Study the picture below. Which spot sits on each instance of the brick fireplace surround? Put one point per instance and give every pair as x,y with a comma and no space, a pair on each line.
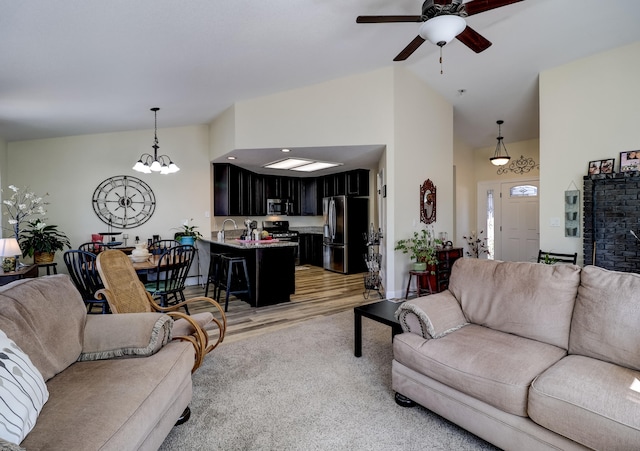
611,212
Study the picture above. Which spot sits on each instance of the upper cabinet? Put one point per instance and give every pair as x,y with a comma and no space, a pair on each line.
239,192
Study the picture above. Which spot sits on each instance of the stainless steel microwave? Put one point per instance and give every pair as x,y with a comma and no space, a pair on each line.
279,207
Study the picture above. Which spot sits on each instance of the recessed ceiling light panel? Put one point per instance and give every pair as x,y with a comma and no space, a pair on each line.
316,166
287,163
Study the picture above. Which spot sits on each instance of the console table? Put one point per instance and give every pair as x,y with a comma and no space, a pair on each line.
26,272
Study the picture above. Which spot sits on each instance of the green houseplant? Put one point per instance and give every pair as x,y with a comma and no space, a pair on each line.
187,234
421,247
41,241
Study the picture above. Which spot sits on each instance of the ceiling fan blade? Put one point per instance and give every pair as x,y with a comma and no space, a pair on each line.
408,50
387,19
474,40
480,6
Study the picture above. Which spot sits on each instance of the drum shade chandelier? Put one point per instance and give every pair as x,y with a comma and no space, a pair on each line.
153,163
498,159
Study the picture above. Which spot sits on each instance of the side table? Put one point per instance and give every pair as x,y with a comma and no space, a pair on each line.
382,312
49,267
26,272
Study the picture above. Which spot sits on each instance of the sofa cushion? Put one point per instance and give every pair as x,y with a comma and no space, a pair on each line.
45,317
606,318
22,391
492,366
580,398
113,404
527,299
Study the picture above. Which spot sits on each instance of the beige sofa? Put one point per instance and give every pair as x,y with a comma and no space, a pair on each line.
527,356
115,382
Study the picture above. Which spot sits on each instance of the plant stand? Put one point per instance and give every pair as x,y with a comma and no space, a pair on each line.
372,279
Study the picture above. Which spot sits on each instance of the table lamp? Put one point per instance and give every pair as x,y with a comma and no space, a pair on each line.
9,251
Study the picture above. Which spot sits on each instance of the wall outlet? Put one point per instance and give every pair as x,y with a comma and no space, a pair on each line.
554,222
207,214
185,222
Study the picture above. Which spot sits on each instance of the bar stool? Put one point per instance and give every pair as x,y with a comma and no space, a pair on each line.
419,275
215,274
237,281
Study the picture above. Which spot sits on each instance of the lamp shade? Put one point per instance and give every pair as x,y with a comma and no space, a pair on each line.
440,30
499,161
9,247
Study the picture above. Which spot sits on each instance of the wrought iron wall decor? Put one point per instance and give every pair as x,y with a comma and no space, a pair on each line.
572,213
520,166
428,202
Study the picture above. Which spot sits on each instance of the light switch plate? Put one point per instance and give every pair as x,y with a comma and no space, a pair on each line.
554,222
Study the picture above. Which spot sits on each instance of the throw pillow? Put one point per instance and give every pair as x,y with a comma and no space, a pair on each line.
23,392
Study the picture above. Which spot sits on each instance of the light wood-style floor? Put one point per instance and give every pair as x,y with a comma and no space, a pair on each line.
318,293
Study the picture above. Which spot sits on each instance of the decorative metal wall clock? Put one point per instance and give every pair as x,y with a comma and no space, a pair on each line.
124,202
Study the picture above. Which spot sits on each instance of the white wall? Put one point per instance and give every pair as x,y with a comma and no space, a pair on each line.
423,149
71,168
390,107
588,111
466,187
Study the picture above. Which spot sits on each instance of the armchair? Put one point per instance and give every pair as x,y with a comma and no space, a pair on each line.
125,293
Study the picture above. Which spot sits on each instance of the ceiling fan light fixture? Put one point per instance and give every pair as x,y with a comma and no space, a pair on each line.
498,159
441,30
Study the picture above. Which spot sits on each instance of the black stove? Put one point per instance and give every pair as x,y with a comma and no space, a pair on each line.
279,230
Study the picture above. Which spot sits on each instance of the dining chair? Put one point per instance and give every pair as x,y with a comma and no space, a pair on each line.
554,257
95,247
160,246
84,274
171,275
125,293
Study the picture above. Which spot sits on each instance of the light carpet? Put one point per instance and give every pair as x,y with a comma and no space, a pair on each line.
301,388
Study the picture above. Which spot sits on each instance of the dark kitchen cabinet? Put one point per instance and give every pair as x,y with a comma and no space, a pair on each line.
228,187
258,202
310,249
237,192
309,197
357,182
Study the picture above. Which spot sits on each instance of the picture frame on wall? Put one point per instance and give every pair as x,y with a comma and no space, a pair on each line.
606,166
630,161
594,167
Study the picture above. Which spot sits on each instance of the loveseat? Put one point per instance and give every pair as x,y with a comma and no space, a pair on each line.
527,356
114,382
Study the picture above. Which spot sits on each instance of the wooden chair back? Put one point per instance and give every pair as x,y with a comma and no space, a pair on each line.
126,292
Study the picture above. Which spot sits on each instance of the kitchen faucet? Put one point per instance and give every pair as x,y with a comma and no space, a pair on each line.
235,226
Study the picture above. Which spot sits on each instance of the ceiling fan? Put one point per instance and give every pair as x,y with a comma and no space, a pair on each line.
443,20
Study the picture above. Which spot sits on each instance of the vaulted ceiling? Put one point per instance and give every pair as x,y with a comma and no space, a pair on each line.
70,67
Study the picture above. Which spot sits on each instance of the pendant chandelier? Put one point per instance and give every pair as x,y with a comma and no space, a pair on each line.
498,159
153,163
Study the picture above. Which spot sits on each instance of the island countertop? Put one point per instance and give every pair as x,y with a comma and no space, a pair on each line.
252,244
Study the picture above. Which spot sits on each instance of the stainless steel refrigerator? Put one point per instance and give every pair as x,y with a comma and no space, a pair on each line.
344,232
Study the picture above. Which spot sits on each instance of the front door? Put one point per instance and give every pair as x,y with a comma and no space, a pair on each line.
520,221
508,216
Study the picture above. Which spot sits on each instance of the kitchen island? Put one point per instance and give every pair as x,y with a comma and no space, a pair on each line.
271,266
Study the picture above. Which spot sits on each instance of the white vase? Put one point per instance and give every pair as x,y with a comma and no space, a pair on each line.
140,253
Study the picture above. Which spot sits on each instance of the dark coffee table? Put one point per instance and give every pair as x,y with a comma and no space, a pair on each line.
381,311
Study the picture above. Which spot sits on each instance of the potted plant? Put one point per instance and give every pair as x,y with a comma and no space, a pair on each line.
41,241
187,234
421,247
